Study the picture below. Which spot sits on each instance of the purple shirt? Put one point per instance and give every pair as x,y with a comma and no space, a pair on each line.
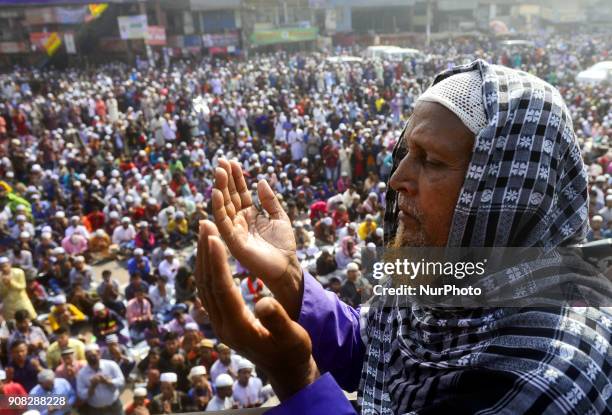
337,348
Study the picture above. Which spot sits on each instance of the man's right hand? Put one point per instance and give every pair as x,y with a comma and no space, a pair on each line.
263,241
277,345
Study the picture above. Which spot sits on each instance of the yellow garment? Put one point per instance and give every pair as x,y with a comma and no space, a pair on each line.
77,315
54,352
181,226
379,103
14,296
364,230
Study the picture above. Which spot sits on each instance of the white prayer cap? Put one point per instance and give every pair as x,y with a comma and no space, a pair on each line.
461,94
60,299
2,375
92,347
98,307
327,221
197,371
140,392
168,377
191,326
169,252
352,267
223,380
138,251
245,364
46,375
31,412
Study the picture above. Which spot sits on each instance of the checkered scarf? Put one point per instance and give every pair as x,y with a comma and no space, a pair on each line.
526,186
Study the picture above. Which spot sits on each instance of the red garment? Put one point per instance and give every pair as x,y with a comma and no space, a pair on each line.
21,124
101,109
137,213
318,210
12,389
255,288
331,156
340,218
96,219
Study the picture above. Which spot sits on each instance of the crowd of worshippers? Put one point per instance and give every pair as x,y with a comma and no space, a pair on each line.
117,164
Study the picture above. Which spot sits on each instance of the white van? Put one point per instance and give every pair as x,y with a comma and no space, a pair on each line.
599,73
392,53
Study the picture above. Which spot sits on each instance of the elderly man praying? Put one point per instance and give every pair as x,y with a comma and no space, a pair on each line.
488,159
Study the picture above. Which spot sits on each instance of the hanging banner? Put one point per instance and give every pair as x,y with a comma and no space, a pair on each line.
133,27
45,41
13,47
69,42
156,36
52,44
70,15
220,40
96,9
286,35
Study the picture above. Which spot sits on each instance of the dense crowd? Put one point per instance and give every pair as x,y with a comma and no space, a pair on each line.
117,164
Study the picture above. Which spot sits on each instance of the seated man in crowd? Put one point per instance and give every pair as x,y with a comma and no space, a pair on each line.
65,314
169,401
200,392
139,314
50,385
105,322
62,342
69,367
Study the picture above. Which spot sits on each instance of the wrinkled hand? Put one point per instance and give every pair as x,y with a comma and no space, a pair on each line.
277,345
263,241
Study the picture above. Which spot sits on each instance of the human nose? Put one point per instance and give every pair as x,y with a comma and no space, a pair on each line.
405,178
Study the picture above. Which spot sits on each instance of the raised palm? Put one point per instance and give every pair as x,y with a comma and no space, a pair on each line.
261,238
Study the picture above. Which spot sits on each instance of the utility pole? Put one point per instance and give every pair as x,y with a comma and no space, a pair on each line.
428,23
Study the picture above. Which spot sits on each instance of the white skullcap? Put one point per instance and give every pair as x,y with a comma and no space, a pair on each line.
327,221
168,377
197,371
2,375
45,375
138,251
223,380
169,252
92,347
191,326
60,299
140,392
461,94
98,307
31,412
352,267
4,260
245,364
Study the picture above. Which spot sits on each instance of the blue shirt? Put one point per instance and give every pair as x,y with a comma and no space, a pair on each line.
61,389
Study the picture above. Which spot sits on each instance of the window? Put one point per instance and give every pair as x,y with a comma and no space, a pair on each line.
218,21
